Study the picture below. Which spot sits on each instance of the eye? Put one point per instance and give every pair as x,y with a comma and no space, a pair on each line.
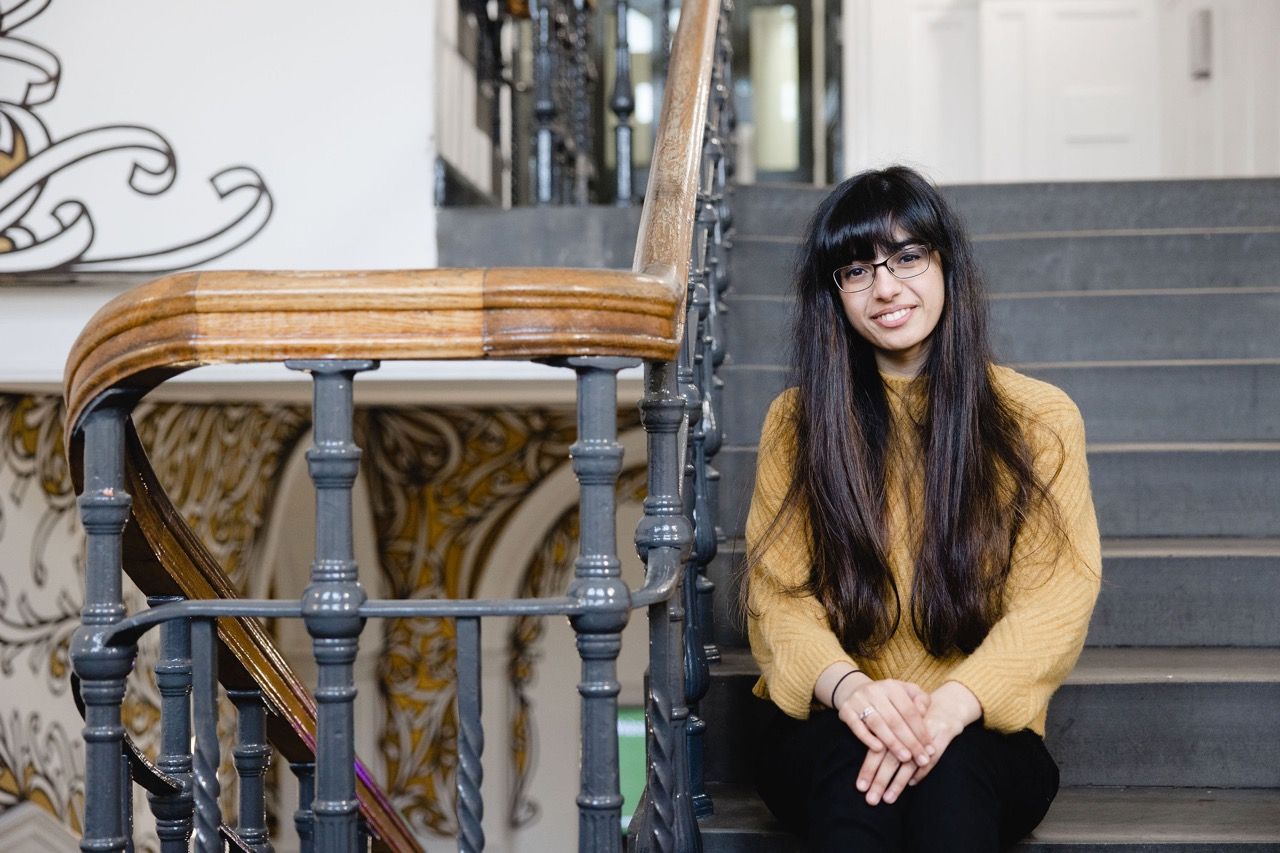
910,255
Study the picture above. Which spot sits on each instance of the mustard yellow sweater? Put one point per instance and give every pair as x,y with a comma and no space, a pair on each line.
1048,601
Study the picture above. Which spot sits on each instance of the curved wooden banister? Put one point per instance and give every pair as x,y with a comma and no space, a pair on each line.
670,201
162,328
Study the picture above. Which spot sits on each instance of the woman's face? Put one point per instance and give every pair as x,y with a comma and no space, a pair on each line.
897,316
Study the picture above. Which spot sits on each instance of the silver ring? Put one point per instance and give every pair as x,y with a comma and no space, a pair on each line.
866,712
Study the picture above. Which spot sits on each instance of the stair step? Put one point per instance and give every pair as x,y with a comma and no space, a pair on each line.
784,209
1222,401
1044,328
1065,261
1125,716
594,237
1171,490
1227,489
1117,820
1172,592
1155,592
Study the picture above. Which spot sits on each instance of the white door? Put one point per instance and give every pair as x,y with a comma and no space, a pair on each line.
1017,90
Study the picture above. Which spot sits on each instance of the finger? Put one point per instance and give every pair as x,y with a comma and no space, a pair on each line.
921,738
922,771
892,715
921,697
861,732
884,775
870,765
900,779
888,733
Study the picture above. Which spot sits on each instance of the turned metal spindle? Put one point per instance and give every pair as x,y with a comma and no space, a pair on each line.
173,811
470,738
664,819
697,587
581,104
126,801
331,603
102,668
303,817
208,754
623,104
252,757
544,102
599,588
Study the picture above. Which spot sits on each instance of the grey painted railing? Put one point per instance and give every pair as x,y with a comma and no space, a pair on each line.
566,84
677,538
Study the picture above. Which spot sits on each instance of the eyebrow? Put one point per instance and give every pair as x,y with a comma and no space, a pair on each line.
897,246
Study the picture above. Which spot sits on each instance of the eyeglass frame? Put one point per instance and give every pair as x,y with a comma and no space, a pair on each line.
871,280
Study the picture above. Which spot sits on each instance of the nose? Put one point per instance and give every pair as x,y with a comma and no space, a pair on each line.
884,284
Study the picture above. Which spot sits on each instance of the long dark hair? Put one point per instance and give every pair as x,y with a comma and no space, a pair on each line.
980,483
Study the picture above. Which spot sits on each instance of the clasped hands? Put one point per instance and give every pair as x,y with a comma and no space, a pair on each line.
905,728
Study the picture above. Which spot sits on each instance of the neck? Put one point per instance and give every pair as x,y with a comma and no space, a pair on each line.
907,363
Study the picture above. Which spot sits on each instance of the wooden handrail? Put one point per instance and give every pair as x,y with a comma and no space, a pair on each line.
670,201
173,324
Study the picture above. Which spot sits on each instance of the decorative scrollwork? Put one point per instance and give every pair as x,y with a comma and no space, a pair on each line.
40,763
42,226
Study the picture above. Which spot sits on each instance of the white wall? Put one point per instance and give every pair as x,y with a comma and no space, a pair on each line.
322,109
1009,90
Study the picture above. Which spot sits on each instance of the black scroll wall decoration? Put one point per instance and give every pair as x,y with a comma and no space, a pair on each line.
44,230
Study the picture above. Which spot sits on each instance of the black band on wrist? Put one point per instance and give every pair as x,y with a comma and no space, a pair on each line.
832,703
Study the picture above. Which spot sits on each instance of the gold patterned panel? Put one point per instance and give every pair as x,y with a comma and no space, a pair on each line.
440,482
220,464
547,573
443,483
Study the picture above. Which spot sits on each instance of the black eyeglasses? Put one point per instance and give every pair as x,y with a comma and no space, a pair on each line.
908,262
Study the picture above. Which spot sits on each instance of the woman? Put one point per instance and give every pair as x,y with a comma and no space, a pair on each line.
923,554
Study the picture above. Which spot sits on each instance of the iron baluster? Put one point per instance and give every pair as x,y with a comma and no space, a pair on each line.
304,818
581,105
173,812
104,509
204,713
252,757
470,737
544,104
606,600
623,104
331,603
664,818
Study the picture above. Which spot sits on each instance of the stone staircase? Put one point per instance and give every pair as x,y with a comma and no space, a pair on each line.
1156,306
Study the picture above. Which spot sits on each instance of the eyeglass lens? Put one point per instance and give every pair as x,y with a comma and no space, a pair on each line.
905,263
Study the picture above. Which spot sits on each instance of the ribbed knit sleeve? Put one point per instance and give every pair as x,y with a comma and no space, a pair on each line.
1052,586
790,635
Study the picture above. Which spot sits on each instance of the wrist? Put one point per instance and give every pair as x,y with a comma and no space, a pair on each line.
959,702
850,682
842,675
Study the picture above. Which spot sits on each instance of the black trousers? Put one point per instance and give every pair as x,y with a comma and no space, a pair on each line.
987,792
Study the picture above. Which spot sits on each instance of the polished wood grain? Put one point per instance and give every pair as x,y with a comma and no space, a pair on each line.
165,327
670,200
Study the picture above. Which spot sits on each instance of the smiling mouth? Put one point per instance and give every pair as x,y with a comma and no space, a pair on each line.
892,318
